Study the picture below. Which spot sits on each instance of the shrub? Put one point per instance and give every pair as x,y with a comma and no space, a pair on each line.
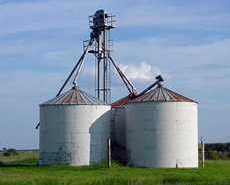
214,155
9,152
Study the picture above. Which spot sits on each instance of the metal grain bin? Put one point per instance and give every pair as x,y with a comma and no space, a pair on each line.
161,130
74,128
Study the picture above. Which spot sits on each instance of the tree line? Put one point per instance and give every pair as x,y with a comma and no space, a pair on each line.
216,151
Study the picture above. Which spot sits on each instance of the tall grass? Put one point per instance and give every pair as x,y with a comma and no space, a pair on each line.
22,158
22,170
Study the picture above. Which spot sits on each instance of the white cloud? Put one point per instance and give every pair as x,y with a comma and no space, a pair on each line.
53,14
186,64
161,15
141,72
37,16
167,55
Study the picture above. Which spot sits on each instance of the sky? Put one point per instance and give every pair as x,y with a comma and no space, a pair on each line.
188,42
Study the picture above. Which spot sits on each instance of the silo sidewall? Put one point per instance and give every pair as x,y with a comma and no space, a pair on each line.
74,134
162,134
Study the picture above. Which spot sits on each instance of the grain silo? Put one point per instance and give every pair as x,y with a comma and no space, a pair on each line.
161,130
156,128
118,128
74,128
118,120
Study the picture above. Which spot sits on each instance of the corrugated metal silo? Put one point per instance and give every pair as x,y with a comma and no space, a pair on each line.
118,129
118,121
74,128
162,130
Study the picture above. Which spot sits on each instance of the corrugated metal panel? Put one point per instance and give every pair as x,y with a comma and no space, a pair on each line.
161,94
118,126
163,134
74,135
74,96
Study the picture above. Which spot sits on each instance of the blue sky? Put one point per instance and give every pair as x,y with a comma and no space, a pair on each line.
188,42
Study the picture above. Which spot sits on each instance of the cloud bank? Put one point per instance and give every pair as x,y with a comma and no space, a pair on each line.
40,41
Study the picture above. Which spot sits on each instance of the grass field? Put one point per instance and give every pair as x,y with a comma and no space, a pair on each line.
22,170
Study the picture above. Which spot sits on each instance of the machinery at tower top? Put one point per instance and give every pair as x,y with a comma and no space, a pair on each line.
101,23
100,45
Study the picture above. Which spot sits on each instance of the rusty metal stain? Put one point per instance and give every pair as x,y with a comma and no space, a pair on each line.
161,94
74,96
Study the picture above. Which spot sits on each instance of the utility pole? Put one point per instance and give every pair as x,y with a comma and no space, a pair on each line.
109,152
202,150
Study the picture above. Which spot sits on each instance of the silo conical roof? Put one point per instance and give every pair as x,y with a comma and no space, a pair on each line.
123,101
161,94
74,96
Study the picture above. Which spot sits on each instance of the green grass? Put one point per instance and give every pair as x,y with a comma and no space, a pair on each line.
22,170
22,158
